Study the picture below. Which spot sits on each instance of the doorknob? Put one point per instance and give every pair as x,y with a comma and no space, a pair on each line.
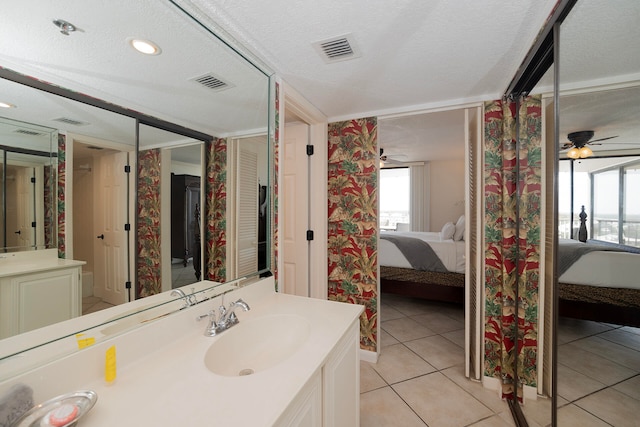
18,232
101,236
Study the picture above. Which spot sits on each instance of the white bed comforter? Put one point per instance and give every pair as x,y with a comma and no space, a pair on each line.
450,252
603,268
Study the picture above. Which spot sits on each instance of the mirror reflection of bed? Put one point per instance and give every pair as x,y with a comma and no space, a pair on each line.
598,276
421,250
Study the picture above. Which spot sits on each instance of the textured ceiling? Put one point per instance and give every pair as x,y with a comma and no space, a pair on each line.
416,55
412,52
413,56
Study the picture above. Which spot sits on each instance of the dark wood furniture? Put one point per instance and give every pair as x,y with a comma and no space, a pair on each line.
185,200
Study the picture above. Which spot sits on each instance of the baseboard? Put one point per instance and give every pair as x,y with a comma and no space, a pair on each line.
368,356
491,383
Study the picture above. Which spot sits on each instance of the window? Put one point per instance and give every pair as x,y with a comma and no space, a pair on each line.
631,211
395,197
606,205
607,188
581,197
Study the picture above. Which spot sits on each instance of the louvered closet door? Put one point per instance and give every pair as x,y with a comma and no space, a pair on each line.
247,209
473,236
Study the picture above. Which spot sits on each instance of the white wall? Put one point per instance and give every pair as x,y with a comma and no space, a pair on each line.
83,236
446,199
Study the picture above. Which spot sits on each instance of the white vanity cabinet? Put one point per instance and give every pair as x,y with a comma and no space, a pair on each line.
331,398
33,299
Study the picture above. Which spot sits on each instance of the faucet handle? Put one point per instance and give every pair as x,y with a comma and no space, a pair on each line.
210,330
223,311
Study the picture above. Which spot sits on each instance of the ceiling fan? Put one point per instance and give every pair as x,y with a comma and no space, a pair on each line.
578,142
393,158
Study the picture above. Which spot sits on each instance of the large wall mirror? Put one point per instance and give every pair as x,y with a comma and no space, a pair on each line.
171,118
598,354
27,185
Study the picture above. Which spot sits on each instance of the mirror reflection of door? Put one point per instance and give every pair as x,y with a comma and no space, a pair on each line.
247,179
24,202
20,209
100,204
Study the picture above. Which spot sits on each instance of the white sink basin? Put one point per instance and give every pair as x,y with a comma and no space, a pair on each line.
256,344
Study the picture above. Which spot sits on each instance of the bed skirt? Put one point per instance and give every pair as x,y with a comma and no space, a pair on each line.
620,306
432,285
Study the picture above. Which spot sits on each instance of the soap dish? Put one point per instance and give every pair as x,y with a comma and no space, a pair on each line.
61,411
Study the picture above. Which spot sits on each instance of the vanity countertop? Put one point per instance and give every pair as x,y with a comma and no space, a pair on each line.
14,263
168,384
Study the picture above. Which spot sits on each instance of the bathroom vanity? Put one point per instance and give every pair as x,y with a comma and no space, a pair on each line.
290,361
38,289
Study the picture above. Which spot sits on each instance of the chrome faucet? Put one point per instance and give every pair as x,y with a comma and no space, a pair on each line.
189,300
227,318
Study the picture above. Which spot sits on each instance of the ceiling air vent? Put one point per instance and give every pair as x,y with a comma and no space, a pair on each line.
28,132
213,82
337,49
69,121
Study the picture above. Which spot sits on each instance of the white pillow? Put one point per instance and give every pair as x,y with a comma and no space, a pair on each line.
459,233
447,231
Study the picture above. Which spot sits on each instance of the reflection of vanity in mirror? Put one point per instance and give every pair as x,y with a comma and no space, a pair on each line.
114,139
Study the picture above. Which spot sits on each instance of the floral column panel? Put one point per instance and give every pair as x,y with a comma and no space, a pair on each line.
274,193
353,220
530,209
216,210
512,258
149,276
49,214
62,179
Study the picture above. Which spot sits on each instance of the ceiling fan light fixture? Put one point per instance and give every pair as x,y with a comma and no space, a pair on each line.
585,152
574,153
145,46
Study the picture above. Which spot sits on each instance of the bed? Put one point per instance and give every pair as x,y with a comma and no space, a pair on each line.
603,284
406,274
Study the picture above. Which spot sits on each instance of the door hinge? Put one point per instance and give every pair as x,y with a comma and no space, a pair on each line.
309,235
309,150
33,179
127,227
127,169
33,224
127,285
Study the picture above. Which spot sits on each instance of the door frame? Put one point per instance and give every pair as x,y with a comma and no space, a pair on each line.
295,103
71,139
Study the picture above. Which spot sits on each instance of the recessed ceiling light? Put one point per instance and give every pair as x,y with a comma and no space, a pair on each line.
145,46
6,105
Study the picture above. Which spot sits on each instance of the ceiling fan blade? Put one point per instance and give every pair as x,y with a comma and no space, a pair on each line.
602,139
566,145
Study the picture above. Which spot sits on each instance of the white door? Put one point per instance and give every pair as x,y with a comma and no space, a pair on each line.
473,248
247,210
295,211
24,232
110,214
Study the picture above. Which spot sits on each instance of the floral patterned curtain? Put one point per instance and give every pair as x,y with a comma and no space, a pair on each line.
512,240
148,253
216,210
61,189
353,220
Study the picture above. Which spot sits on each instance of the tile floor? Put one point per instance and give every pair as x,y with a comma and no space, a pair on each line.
180,276
92,303
419,378
598,374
